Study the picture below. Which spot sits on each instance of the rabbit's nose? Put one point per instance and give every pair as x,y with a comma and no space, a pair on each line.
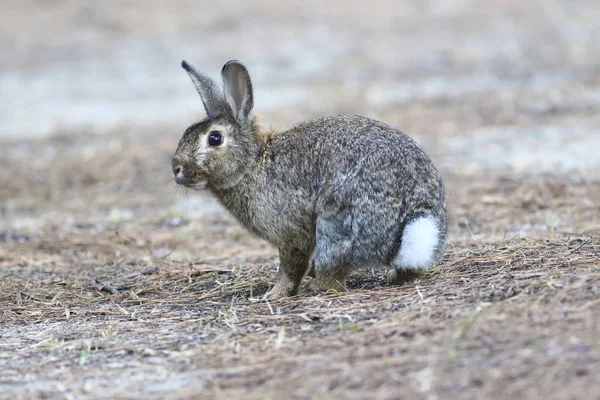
178,171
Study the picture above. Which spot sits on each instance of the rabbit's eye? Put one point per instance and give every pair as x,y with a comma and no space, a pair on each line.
215,139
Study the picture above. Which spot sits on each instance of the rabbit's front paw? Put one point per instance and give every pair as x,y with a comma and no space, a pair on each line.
279,291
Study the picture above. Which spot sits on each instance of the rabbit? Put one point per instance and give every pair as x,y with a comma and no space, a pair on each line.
332,194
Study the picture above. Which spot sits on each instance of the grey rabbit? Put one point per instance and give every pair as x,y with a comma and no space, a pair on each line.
331,194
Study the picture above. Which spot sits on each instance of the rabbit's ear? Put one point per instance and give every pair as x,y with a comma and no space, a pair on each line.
209,91
238,90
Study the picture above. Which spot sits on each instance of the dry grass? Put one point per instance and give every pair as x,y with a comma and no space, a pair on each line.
168,306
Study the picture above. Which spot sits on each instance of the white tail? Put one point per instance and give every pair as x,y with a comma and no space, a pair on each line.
420,240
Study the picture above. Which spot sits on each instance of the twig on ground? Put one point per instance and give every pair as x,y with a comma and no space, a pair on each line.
529,276
147,271
107,287
110,289
588,241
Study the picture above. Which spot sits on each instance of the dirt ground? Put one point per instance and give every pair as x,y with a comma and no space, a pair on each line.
114,283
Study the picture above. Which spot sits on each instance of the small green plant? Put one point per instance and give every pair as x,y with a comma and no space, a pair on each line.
108,333
85,353
280,338
553,223
229,316
464,323
53,345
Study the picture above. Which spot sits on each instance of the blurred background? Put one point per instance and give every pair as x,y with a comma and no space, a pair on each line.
93,100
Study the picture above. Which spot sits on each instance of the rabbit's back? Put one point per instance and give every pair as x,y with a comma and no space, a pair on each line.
354,154
351,167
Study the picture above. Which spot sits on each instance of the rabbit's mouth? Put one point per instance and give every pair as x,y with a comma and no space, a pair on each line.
189,184
198,186
188,176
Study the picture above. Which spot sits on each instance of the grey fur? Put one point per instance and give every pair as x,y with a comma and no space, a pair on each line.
334,193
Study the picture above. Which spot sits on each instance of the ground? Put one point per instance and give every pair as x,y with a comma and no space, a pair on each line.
114,283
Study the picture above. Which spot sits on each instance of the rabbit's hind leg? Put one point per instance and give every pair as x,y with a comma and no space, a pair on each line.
332,259
331,275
